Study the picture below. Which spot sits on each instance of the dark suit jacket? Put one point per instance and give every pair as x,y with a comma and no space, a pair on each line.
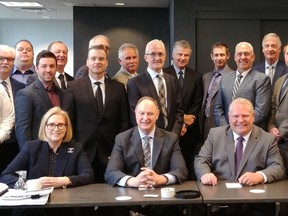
217,155
16,86
142,85
280,70
255,87
96,133
31,104
34,157
127,156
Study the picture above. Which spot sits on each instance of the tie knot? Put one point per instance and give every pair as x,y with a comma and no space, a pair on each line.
146,138
97,83
61,76
240,76
180,72
4,83
240,139
159,76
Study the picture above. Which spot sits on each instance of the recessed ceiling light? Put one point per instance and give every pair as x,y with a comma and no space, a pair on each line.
46,17
120,4
21,4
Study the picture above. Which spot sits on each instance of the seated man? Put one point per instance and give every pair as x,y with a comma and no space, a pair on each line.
131,165
221,156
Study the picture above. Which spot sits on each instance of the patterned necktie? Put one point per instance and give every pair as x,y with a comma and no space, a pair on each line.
161,94
181,79
99,98
5,85
236,86
270,73
147,151
283,88
62,81
238,152
213,87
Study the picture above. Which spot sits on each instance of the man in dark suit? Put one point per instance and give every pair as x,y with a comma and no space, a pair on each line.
8,148
97,120
128,163
272,66
35,100
192,93
220,55
240,152
252,85
164,88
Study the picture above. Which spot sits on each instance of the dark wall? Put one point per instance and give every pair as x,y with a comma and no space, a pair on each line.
120,25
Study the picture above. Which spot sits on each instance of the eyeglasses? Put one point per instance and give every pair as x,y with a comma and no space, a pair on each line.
52,126
9,60
154,54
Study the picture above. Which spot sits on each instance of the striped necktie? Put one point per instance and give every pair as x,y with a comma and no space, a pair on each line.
236,86
5,85
238,152
161,94
147,151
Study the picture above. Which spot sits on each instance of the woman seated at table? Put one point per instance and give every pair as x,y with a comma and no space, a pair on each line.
53,159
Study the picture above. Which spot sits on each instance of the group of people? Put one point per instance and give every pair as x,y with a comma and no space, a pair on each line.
144,129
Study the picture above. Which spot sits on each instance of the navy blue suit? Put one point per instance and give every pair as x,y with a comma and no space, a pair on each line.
34,157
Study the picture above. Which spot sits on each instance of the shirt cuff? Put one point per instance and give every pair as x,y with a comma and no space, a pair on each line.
171,179
122,182
264,176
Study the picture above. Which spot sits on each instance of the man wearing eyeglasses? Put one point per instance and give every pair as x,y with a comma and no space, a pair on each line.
164,88
36,99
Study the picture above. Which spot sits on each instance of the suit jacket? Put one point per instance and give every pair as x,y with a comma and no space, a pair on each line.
255,87
96,133
16,86
122,76
279,110
31,104
207,78
34,157
127,156
142,85
217,155
280,70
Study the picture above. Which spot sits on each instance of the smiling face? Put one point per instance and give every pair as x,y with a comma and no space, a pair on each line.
220,57
244,57
6,63
181,56
46,70
129,60
271,49
155,55
61,53
55,136
146,113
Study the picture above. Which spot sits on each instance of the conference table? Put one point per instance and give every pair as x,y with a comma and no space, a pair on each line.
263,193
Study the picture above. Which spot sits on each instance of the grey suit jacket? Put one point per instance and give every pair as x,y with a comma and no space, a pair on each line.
255,87
217,155
279,111
127,156
122,76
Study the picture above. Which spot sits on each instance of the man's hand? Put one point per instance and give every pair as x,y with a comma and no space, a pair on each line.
276,133
250,178
189,119
209,179
183,131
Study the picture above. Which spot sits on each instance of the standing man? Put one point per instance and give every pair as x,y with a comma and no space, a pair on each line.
23,65
272,66
278,121
192,93
96,40
98,107
220,55
246,83
164,88
240,152
36,99
128,58
9,87
130,156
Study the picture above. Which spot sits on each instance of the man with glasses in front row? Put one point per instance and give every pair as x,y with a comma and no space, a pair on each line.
164,88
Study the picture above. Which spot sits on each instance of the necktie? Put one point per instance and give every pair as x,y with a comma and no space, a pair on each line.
5,85
238,152
161,94
99,98
213,87
181,78
236,86
61,77
283,88
147,151
270,72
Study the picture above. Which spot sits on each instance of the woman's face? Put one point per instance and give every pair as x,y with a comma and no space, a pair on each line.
56,128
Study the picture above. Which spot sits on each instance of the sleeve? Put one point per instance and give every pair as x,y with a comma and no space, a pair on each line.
7,116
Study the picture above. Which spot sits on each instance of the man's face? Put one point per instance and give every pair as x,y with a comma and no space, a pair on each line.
181,57
155,56
219,57
6,63
46,70
24,53
146,116
61,53
97,62
244,57
241,119
129,60
271,50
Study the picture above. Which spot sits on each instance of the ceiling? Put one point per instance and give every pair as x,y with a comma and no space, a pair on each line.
63,9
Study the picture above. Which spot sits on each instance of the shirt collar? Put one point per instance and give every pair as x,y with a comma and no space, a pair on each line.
31,69
246,137
93,80
142,135
153,73
273,65
177,69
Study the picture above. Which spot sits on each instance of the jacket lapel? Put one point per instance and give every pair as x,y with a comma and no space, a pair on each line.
137,145
158,143
230,147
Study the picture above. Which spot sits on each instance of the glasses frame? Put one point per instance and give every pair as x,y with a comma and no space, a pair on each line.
52,126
